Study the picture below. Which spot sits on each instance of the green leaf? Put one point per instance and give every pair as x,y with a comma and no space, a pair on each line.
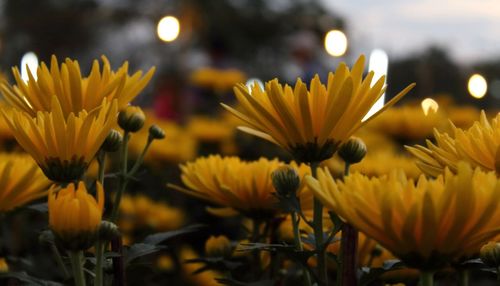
160,237
140,249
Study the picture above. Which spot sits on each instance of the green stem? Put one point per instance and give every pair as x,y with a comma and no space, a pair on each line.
59,260
427,278
123,179
101,159
140,159
498,275
76,258
464,277
99,253
318,233
346,274
298,246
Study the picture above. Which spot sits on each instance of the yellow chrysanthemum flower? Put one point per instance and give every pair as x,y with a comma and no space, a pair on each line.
21,181
62,146
232,183
478,146
74,92
426,224
75,215
312,123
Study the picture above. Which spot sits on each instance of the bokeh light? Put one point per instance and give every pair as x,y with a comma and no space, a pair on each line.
253,81
378,63
477,86
429,104
168,28
29,61
336,43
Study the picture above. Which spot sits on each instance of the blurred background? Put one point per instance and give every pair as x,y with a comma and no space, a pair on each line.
440,48
202,48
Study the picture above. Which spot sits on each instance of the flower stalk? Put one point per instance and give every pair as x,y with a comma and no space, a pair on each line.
99,253
318,233
348,251
123,178
59,260
427,278
298,245
76,258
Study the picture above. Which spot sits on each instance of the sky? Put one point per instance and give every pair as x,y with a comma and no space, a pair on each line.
468,29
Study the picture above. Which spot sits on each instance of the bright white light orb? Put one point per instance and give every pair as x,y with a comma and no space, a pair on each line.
336,43
168,29
378,63
252,82
477,86
29,61
429,104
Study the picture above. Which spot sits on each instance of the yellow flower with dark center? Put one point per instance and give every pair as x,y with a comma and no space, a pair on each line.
312,123
232,183
21,181
477,145
75,215
74,92
62,146
427,223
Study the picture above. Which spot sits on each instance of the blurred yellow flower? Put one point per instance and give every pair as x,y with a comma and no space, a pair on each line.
217,79
21,181
75,215
4,267
477,145
141,211
177,146
407,122
218,246
377,164
311,124
205,278
232,183
74,92
62,146
209,129
426,224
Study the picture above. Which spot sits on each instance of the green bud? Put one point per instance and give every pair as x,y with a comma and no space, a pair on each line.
156,132
108,231
131,118
286,181
490,254
112,142
46,237
353,151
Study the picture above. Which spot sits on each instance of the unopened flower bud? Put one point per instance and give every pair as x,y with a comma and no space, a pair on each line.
218,246
46,237
156,132
108,231
353,151
112,142
131,118
286,181
490,254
